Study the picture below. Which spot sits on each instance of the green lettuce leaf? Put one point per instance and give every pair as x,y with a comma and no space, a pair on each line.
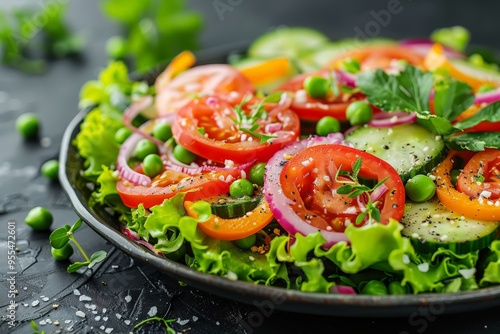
96,142
451,98
492,271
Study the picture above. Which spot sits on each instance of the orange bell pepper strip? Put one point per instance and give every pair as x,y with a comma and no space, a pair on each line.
181,62
458,202
267,71
436,58
234,228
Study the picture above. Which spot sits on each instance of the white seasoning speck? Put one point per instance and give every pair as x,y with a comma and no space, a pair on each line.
217,323
104,310
118,315
76,292
406,259
48,321
182,322
105,318
35,303
251,258
67,321
423,267
45,299
84,298
42,322
127,322
102,327
97,318
467,273
195,318
443,237
80,314
108,330
232,276
128,298
152,311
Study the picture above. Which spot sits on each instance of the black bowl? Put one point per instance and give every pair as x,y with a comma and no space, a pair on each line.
264,297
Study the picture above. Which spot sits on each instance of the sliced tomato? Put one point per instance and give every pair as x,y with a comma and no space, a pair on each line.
200,80
223,140
312,109
481,175
170,182
458,201
383,57
234,228
309,181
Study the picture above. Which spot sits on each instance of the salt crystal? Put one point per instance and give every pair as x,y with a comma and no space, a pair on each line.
195,318
80,314
182,322
152,311
84,298
35,303
108,330
76,292
128,298
118,315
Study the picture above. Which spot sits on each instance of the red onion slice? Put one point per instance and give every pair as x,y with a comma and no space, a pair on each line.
279,203
422,46
388,119
342,290
346,78
488,97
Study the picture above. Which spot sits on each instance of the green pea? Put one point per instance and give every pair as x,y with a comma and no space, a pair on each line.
116,47
257,172
183,155
39,218
28,125
62,254
374,288
317,86
326,125
454,176
50,169
420,188
143,148
395,288
359,112
122,134
152,165
162,131
247,242
486,88
240,188
351,65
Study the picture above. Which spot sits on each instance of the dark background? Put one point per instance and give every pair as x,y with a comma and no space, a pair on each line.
54,97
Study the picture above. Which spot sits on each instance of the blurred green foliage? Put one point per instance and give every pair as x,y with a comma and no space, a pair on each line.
29,36
154,30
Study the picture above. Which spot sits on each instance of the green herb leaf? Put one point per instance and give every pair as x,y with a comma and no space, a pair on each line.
490,113
407,91
451,98
76,225
97,257
59,237
475,141
75,266
344,190
166,322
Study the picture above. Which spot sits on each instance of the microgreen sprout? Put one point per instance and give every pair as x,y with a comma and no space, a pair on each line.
353,188
35,328
166,322
61,236
249,122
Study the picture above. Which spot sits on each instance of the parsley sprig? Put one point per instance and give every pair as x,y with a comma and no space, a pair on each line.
61,236
248,122
352,187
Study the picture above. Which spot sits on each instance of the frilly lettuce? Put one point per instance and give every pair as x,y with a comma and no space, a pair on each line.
96,142
492,271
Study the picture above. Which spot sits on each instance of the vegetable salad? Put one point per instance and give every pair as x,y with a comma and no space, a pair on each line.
307,163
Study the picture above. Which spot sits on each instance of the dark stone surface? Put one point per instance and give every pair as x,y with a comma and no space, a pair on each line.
120,292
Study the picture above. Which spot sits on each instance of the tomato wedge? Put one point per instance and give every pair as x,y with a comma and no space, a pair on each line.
379,57
234,228
169,183
481,176
460,202
309,180
205,79
222,139
313,109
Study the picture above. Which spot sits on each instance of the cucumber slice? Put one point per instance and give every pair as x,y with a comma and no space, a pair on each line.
431,225
230,207
286,41
268,86
410,148
320,57
475,71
